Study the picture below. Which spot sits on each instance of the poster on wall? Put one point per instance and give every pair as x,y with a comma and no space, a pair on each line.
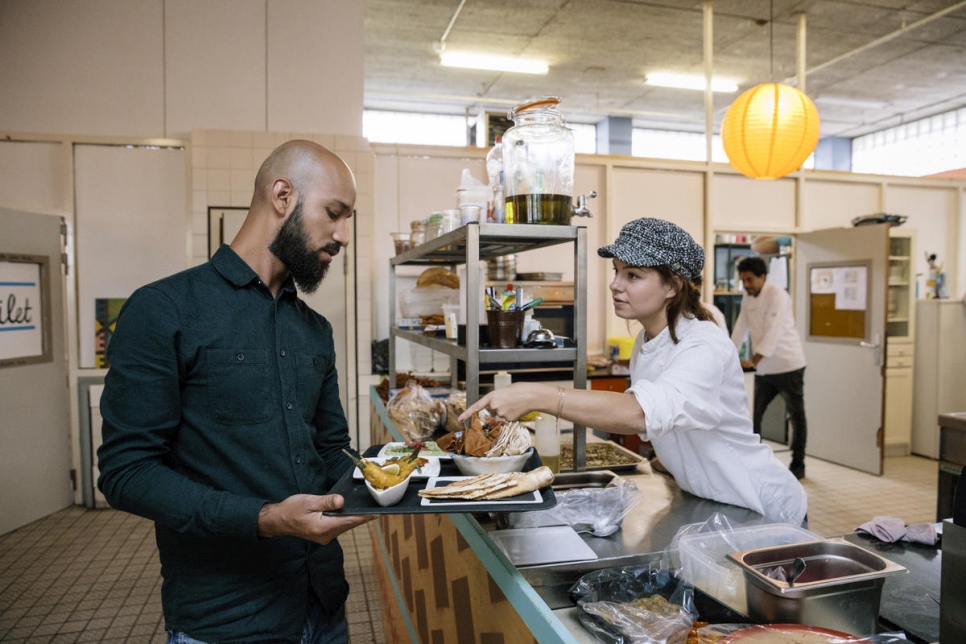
24,293
105,318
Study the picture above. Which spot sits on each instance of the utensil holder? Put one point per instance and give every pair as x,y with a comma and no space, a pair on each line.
506,327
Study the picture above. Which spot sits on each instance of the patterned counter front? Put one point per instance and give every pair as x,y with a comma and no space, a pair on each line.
442,580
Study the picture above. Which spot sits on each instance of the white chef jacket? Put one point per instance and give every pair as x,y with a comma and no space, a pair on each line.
696,414
717,316
768,318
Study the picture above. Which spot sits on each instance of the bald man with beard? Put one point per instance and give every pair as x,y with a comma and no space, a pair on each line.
223,423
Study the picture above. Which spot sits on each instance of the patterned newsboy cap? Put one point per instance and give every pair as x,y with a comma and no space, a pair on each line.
654,242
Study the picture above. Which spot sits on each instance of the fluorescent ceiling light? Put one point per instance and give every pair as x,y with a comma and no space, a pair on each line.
688,81
492,63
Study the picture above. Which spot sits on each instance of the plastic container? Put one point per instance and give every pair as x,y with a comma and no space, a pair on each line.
469,213
538,165
704,560
450,221
401,242
426,301
496,210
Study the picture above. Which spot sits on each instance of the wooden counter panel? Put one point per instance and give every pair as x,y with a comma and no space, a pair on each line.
449,595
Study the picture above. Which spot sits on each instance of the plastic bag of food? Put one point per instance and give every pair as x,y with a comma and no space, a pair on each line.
643,604
455,405
415,412
598,511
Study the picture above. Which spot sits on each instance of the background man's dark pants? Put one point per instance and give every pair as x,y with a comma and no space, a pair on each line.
790,386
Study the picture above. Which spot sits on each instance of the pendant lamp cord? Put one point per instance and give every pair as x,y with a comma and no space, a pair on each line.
771,37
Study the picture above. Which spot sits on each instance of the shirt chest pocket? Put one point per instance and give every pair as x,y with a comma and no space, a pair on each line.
239,386
312,372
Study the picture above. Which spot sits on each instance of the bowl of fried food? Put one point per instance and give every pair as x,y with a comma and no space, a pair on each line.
390,495
387,483
491,446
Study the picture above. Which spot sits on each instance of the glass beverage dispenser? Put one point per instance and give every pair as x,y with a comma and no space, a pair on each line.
538,166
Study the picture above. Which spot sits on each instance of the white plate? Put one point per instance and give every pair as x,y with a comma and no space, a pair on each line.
387,451
430,469
443,481
534,546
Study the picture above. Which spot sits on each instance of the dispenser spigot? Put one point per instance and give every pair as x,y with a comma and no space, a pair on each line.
581,209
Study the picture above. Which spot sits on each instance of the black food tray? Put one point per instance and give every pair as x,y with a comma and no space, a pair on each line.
358,500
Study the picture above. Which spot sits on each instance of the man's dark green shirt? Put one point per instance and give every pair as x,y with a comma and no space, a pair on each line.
219,399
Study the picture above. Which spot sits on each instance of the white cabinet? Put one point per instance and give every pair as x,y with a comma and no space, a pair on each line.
940,370
900,346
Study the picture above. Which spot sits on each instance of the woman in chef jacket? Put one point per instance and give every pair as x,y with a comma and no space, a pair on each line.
687,395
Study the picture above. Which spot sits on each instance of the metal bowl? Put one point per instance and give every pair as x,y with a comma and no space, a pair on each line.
540,339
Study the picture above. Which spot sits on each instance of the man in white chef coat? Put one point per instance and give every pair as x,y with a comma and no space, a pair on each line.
778,358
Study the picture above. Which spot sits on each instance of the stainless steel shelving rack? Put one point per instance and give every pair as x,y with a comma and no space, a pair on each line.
468,245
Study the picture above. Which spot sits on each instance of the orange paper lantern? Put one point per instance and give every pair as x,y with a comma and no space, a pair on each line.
770,130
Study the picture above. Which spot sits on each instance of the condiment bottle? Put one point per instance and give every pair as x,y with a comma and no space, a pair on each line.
547,439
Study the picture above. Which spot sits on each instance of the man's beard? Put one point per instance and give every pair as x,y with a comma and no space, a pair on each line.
291,247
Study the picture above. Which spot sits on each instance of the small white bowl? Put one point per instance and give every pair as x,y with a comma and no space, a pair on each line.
473,465
391,495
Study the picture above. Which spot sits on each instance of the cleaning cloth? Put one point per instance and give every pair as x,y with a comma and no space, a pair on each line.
892,529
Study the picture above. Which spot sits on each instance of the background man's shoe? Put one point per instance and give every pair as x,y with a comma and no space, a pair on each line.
798,469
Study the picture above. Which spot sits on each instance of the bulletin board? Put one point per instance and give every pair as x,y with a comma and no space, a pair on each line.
838,301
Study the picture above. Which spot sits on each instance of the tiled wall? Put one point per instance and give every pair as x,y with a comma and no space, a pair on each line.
223,168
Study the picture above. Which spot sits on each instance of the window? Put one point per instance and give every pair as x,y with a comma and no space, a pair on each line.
408,127
916,149
683,146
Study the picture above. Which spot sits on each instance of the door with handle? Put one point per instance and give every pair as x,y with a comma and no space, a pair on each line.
840,310
35,459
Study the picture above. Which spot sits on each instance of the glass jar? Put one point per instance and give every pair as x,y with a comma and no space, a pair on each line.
538,165
434,226
417,234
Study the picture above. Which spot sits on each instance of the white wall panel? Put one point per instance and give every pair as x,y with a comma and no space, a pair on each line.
933,212
664,194
317,84
92,67
643,192
131,225
215,66
833,204
740,202
33,177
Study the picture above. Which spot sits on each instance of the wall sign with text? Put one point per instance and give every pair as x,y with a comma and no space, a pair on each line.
24,310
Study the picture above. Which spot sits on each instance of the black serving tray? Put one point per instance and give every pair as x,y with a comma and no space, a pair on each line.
358,500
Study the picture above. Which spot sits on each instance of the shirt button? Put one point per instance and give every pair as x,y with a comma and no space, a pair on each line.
282,353
288,405
240,356
298,460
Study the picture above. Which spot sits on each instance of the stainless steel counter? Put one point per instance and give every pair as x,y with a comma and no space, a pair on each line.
645,532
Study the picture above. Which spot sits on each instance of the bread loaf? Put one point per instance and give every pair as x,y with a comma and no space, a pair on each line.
438,277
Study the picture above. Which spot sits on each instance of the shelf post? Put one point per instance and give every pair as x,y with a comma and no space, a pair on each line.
580,330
